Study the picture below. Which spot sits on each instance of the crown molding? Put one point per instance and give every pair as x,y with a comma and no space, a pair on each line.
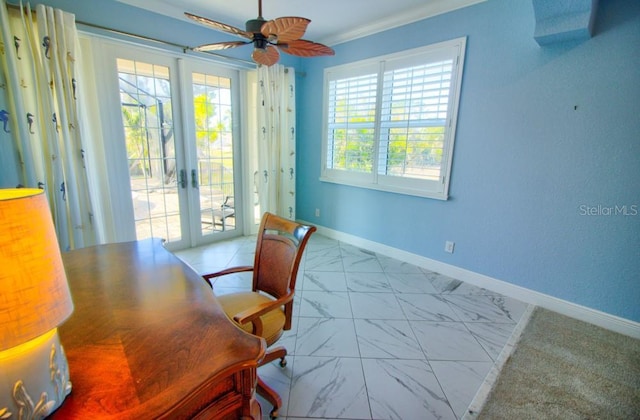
428,10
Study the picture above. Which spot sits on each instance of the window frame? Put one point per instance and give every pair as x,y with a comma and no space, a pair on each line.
438,189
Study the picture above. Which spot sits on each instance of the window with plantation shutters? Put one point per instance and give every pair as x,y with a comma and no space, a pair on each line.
352,116
390,121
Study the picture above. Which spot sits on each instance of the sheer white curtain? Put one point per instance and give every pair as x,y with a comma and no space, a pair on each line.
42,140
276,140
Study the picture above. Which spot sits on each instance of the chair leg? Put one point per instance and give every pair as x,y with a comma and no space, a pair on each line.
270,395
273,354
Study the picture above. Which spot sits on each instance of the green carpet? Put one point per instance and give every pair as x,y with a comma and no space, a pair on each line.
563,368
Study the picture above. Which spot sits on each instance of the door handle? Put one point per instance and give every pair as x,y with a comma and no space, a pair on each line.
194,178
183,179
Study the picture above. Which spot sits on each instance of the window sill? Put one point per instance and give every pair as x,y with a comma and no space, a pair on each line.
436,195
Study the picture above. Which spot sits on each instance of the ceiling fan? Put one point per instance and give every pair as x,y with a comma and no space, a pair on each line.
267,36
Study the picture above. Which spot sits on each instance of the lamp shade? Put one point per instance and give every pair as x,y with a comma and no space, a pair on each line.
34,294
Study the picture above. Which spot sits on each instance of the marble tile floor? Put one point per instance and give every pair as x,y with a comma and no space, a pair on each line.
374,337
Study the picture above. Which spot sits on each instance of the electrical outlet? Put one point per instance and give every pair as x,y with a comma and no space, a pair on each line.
448,246
317,212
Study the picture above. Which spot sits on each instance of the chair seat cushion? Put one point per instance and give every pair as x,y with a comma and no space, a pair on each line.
272,322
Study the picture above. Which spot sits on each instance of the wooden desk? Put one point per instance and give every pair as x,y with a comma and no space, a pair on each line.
147,339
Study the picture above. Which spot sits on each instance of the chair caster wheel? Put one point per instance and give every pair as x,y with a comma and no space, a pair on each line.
283,362
273,414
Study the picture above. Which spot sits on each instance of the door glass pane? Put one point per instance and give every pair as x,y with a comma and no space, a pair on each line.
214,148
145,96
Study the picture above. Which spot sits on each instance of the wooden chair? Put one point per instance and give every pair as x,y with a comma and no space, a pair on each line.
266,310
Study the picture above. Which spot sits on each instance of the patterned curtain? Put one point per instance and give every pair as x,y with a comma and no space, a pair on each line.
41,142
276,176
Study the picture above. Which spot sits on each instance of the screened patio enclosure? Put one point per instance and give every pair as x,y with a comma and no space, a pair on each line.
157,181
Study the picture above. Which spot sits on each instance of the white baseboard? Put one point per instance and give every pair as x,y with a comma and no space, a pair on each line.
592,316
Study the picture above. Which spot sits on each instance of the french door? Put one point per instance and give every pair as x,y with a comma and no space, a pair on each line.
179,123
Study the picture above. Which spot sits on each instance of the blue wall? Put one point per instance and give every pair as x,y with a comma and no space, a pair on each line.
542,132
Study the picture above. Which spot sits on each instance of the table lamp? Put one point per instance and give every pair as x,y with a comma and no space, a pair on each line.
34,300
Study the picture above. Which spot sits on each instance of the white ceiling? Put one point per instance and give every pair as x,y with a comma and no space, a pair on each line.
332,21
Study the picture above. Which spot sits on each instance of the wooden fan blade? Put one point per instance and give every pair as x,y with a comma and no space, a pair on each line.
220,46
304,48
220,26
285,29
268,56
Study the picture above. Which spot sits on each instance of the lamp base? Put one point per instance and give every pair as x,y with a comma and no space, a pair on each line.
34,378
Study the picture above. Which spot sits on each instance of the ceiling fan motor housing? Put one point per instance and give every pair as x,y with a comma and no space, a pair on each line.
254,25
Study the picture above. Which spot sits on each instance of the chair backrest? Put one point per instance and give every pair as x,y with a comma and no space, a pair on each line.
279,249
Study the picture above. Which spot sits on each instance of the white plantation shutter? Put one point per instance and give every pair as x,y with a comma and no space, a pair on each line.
413,118
351,123
390,122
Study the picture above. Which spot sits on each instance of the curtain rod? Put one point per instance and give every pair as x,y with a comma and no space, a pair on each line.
147,38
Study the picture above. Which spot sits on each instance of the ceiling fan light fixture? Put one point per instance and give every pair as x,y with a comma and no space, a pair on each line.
267,56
